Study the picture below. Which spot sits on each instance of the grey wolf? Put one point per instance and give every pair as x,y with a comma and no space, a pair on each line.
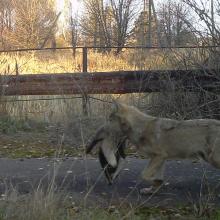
111,146
160,139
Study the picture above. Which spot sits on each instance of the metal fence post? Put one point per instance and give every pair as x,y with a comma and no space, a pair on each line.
85,98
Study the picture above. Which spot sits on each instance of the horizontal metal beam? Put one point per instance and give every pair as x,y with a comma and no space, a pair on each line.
119,82
111,47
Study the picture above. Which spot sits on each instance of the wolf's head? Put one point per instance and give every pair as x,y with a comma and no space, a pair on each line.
122,117
126,118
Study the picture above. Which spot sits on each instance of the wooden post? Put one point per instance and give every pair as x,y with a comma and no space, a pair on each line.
85,60
85,98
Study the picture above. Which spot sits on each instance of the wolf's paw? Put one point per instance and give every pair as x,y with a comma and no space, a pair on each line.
147,191
156,186
158,183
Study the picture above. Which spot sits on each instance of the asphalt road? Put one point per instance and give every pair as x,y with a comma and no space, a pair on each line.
186,182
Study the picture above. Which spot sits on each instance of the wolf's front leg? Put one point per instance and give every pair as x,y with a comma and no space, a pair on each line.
154,172
155,169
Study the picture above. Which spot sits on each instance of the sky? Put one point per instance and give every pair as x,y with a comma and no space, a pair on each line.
77,5
78,8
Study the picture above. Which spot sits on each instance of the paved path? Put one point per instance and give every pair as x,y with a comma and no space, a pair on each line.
83,179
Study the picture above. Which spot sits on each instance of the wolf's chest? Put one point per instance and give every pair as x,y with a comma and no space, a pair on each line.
143,143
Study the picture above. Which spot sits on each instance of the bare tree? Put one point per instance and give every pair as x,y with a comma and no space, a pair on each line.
74,27
31,21
96,23
5,21
206,28
123,12
209,29
174,18
108,23
207,15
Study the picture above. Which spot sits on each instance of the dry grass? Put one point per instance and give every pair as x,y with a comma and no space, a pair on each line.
59,62
43,62
63,61
56,205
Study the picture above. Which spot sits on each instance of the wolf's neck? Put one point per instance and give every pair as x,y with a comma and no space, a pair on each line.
140,120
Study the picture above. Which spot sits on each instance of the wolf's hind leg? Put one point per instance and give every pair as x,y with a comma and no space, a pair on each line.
214,150
214,158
